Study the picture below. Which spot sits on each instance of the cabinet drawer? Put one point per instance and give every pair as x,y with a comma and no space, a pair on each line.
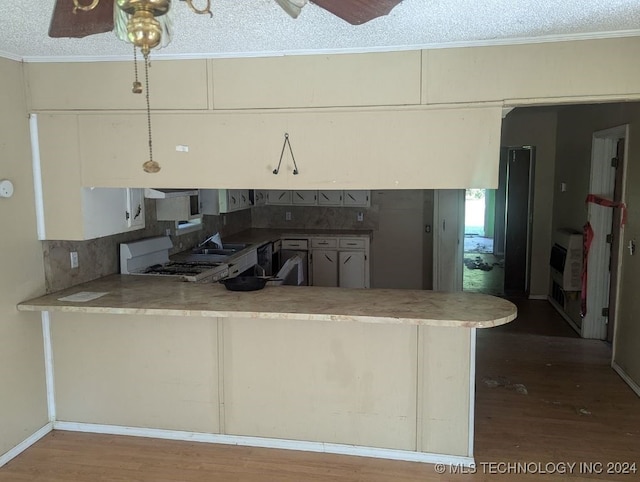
324,243
352,243
295,244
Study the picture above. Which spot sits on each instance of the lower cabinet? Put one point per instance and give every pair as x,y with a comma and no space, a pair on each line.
340,262
351,269
325,268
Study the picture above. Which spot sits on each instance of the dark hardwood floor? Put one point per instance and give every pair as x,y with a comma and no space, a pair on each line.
543,396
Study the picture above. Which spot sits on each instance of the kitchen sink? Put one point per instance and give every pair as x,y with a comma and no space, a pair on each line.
227,249
220,252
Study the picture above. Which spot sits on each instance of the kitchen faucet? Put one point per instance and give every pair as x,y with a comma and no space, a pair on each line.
214,238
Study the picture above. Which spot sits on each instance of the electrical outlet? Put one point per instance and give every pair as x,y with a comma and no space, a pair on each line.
360,216
73,255
287,216
167,232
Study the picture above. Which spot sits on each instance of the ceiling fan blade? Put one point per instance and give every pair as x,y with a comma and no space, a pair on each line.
357,12
292,7
65,23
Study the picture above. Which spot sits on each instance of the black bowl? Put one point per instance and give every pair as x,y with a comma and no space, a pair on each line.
245,283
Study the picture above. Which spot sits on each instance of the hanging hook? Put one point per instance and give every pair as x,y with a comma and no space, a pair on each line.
285,144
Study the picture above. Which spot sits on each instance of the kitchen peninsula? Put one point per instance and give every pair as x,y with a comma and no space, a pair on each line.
386,373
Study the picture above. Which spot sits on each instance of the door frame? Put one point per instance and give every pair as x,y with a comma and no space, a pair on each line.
531,187
448,225
602,181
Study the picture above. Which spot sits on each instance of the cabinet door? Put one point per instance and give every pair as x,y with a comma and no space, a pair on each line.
305,198
279,197
106,211
324,268
356,198
352,269
209,201
330,198
259,197
243,199
135,208
234,201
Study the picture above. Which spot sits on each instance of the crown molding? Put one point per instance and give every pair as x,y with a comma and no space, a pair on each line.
355,50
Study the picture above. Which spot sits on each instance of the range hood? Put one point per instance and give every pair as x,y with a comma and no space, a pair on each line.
152,193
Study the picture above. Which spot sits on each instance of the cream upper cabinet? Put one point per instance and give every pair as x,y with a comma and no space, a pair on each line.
357,198
304,198
279,197
332,149
107,85
69,210
259,197
218,201
330,198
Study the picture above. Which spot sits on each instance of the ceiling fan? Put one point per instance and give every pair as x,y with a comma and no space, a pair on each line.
80,18
147,24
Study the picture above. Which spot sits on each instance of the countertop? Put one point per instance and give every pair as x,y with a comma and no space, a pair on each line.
155,295
263,235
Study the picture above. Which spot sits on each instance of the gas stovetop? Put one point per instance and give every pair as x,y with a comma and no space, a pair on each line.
181,268
150,256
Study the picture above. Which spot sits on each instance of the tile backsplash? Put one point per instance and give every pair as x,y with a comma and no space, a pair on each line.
315,217
101,256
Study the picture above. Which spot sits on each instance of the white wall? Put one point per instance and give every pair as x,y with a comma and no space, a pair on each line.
23,408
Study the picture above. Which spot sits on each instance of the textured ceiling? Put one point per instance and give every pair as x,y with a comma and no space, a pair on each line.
262,28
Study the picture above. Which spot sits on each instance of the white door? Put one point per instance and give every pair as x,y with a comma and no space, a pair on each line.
448,249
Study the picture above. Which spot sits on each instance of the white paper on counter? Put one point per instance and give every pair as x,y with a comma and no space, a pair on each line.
83,296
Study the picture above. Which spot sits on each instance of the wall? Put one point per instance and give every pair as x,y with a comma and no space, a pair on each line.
315,217
397,250
400,257
23,405
101,257
536,126
576,125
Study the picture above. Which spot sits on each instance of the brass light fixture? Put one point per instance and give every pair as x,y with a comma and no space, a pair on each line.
146,24
142,22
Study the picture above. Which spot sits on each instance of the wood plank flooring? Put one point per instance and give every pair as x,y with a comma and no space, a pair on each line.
543,396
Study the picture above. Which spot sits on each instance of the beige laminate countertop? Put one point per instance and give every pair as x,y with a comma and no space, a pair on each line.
156,295
263,235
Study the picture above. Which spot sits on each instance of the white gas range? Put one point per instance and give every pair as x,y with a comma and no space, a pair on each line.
150,256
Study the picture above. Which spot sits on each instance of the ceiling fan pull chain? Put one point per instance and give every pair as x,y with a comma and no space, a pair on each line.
206,9
150,166
137,86
84,8
285,144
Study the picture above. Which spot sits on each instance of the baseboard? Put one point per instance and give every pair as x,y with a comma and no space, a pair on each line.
273,443
566,317
628,380
538,297
25,444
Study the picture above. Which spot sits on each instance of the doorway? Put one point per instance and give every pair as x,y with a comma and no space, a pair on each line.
498,228
483,258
